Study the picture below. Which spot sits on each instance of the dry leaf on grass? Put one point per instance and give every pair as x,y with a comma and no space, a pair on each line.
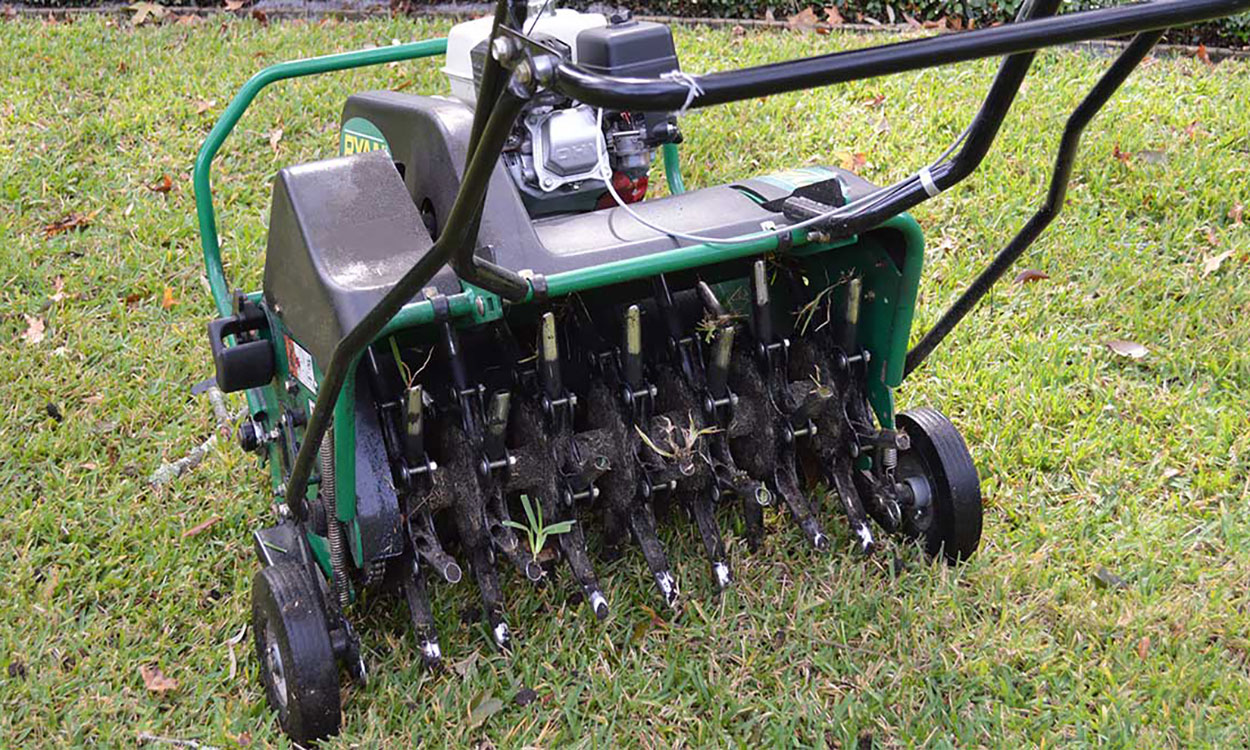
203,105
75,221
35,329
201,527
58,286
1129,349
833,17
275,137
155,680
1030,275
1143,647
484,707
1235,214
144,12
163,184
167,298
1203,55
1213,263
233,5
804,20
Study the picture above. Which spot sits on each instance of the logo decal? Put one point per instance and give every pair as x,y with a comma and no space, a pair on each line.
360,136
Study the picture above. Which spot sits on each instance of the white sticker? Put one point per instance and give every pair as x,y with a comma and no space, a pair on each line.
301,364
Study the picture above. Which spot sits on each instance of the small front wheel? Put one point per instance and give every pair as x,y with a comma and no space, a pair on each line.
297,663
943,480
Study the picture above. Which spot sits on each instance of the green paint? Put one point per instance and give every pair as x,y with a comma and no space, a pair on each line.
345,461
672,169
359,136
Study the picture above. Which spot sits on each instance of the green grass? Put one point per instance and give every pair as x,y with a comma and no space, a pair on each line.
1089,459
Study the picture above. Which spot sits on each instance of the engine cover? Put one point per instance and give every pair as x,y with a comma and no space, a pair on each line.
568,147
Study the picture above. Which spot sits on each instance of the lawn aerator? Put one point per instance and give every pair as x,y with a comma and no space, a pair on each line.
477,338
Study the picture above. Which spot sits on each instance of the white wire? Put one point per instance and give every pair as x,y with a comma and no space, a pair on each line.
866,201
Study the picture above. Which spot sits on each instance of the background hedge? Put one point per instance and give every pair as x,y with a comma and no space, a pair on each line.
1231,32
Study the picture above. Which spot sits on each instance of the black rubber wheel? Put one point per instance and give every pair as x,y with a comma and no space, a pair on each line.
293,647
939,456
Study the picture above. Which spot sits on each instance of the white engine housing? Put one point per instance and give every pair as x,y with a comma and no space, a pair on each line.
563,24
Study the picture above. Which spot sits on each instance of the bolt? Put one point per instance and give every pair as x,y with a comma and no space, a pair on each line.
523,73
501,49
480,302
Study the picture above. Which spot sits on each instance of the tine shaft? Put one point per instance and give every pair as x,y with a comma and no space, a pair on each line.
761,303
425,542
840,473
753,514
422,615
492,597
708,297
549,357
786,484
632,358
642,523
722,351
701,506
850,328
573,547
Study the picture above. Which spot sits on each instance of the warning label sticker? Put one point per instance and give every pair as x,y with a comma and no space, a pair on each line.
301,364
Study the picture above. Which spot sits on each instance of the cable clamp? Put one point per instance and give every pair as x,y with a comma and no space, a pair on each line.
926,180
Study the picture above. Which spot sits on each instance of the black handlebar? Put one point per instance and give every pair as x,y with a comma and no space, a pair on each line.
840,67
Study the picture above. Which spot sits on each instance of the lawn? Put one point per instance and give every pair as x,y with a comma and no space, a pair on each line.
1089,459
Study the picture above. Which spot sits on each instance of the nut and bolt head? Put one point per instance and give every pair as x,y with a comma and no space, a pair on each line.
501,49
523,73
480,303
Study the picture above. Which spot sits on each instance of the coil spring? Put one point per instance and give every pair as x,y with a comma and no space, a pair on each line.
334,530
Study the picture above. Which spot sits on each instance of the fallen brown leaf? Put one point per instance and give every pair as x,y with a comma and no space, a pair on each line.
74,221
1129,349
851,162
155,680
233,5
738,31
203,105
163,184
144,12
275,136
261,16
804,20
833,17
58,285
875,102
1143,647
187,19
134,298
1203,55
8,11
1124,157
201,527
1212,264
1235,213
35,330
1030,275
167,298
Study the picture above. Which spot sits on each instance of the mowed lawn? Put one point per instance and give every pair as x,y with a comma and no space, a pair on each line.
1090,459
